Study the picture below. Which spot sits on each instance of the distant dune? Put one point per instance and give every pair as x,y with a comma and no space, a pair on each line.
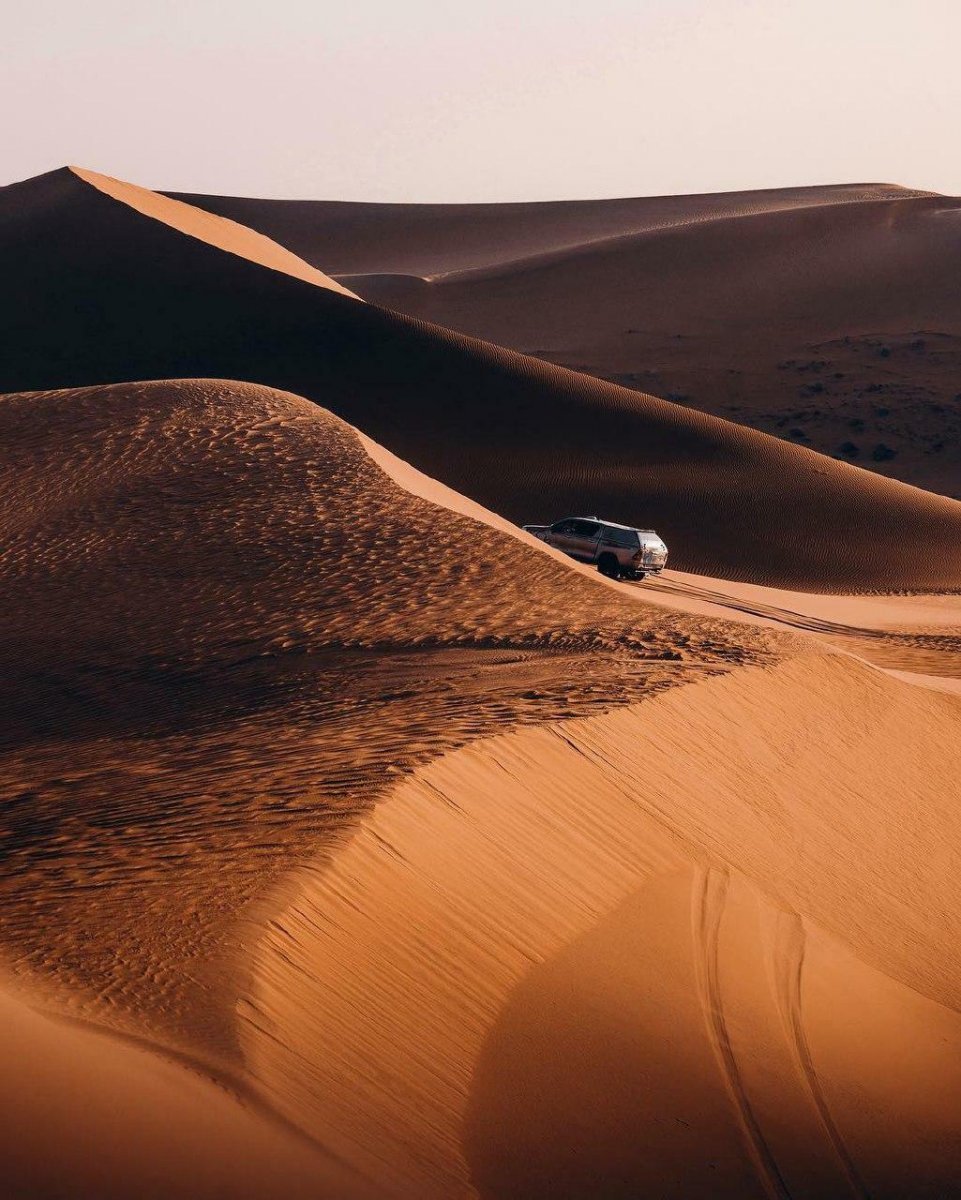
113,285
828,316
481,874
434,239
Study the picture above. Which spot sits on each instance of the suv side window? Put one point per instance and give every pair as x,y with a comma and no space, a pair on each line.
626,538
563,527
585,529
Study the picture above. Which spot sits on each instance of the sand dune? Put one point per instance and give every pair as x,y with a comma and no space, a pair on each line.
808,273
204,586
107,293
86,1115
835,326
700,982
492,878
432,239
356,844
827,316
215,231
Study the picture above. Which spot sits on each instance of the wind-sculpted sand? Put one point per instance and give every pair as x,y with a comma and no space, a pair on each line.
614,957
432,240
239,824
355,844
225,632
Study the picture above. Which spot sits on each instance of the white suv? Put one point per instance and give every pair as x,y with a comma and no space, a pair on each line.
619,550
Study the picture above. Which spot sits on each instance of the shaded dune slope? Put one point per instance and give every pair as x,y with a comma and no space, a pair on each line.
126,1122
837,326
105,293
219,232
827,315
814,272
224,630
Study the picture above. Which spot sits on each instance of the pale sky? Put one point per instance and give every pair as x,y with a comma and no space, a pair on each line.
437,100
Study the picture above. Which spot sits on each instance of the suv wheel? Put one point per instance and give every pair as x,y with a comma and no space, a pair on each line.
608,565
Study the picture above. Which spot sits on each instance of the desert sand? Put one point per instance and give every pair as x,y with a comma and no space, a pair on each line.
826,316
355,843
107,293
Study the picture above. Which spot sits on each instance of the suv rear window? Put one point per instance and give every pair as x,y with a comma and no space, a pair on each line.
621,537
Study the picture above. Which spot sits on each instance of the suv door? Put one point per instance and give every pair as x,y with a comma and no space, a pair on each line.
560,535
583,539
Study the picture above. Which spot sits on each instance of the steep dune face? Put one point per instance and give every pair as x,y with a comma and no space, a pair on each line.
215,231
118,278
827,316
107,293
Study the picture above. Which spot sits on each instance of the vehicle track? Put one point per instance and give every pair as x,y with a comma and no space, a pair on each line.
789,960
931,651
709,899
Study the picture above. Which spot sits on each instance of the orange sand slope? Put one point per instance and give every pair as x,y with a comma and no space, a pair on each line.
233,626
225,631
491,878
85,1115
105,292
827,316
697,979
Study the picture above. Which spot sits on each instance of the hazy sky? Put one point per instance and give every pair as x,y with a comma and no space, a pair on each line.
495,100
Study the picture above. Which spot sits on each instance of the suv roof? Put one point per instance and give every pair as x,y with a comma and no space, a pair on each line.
611,524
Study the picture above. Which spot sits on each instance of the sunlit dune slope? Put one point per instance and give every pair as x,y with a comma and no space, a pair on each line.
702,946
216,231
106,293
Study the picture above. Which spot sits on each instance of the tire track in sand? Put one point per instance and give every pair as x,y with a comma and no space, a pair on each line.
789,963
709,895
